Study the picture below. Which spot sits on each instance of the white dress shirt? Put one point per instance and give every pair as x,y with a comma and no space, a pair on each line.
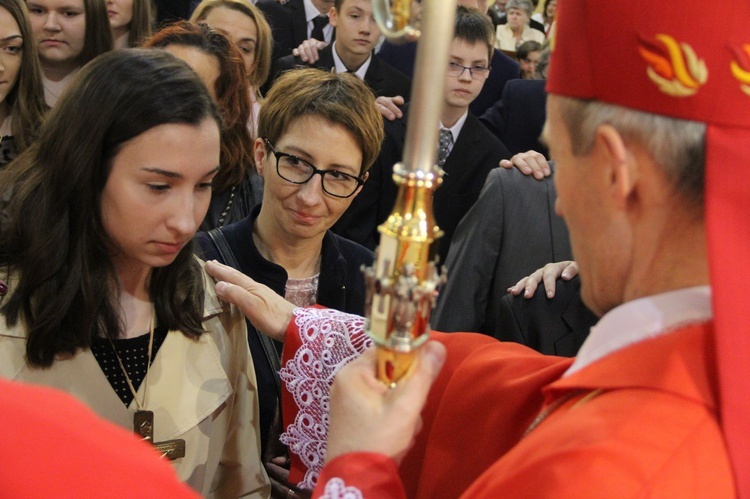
643,319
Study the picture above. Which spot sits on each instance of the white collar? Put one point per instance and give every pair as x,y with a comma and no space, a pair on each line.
643,319
340,68
456,129
311,11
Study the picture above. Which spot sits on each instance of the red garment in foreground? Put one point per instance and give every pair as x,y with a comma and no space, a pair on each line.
641,421
54,446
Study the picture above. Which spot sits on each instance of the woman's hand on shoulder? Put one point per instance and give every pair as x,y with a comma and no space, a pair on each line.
267,311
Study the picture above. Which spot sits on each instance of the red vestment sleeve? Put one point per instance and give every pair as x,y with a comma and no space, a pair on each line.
367,475
479,371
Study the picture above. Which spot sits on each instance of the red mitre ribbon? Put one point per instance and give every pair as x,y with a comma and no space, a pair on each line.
688,60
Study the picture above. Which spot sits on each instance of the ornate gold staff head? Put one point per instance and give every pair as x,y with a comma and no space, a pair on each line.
402,284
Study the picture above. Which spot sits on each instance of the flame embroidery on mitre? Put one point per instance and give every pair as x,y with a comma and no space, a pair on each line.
673,66
740,67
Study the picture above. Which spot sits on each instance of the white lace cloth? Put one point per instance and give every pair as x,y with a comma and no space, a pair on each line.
329,340
337,489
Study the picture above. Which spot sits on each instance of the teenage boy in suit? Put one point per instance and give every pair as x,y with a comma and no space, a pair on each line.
352,51
470,150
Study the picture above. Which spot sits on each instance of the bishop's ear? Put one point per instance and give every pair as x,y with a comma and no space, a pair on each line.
614,154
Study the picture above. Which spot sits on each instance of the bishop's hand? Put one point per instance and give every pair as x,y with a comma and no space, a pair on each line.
368,416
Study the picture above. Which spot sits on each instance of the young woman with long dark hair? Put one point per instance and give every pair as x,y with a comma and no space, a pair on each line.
106,300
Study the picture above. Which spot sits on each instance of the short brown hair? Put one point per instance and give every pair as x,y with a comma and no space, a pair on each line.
340,99
473,27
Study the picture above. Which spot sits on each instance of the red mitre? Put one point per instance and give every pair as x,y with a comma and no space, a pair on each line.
688,60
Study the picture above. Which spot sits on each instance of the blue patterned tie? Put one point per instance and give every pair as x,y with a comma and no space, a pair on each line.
444,147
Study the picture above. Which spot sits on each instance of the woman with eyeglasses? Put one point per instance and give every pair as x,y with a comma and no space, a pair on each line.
319,133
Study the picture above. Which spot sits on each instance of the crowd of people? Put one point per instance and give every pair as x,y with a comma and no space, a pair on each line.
188,197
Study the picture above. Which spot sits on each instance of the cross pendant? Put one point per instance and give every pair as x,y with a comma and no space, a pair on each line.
143,425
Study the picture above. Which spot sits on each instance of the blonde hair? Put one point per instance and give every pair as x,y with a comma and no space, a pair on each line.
263,46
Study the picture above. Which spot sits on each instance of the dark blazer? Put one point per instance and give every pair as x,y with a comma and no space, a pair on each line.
381,77
341,287
233,205
279,18
518,118
297,23
168,11
504,68
553,327
474,154
510,231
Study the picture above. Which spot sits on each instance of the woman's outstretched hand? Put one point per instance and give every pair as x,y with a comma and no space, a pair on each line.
267,311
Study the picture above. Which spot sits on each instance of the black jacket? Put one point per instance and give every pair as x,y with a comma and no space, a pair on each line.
232,205
341,287
553,327
279,18
517,120
511,231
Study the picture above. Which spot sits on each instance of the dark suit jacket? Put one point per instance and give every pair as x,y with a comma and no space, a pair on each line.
297,27
554,327
280,20
381,77
168,11
504,68
510,231
474,154
341,286
517,120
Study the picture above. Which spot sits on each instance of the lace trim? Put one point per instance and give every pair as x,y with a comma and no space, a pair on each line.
329,340
337,489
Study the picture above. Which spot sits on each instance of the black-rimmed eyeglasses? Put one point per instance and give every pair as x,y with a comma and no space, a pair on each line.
475,72
298,171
